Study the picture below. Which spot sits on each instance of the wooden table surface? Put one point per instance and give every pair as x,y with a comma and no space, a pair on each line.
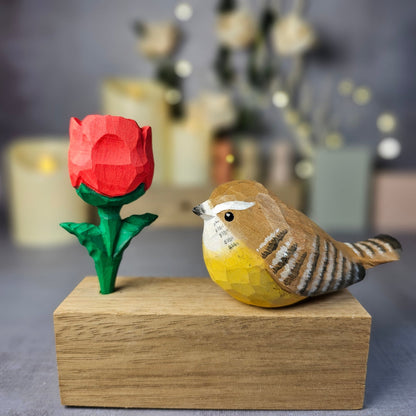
35,281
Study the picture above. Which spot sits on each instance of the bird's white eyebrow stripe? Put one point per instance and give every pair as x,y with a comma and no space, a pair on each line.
236,205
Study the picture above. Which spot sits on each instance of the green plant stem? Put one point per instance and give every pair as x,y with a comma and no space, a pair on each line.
107,264
110,224
106,242
107,269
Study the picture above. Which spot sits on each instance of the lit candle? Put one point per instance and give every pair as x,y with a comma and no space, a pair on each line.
47,164
41,195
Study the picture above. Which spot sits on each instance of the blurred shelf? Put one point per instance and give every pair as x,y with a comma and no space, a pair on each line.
173,204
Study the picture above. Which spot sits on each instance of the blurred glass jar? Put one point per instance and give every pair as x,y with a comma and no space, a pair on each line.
40,195
248,160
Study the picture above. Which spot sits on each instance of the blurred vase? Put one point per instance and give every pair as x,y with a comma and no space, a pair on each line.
394,204
215,109
40,193
248,158
222,160
142,100
189,156
281,163
340,189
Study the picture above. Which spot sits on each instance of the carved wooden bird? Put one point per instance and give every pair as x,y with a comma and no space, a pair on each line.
264,253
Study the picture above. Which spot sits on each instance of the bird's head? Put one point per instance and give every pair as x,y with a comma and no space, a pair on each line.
233,206
228,199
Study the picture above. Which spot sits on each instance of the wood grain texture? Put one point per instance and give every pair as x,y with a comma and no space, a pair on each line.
184,343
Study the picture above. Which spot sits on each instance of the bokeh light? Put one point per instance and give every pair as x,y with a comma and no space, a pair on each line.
345,87
183,11
230,158
386,122
304,130
361,95
173,96
47,164
334,140
304,169
280,99
389,148
183,68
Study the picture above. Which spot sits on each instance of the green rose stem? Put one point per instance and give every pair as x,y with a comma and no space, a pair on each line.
106,242
107,263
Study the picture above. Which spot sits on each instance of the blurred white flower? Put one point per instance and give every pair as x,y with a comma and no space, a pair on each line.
292,35
236,29
159,39
215,109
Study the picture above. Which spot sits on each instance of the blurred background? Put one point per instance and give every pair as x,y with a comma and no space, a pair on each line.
314,99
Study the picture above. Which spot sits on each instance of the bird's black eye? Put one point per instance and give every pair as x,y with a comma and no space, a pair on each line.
229,216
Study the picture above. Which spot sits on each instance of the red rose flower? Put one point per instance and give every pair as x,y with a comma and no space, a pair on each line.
110,155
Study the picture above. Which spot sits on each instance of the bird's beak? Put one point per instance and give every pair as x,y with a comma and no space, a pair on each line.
203,210
197,210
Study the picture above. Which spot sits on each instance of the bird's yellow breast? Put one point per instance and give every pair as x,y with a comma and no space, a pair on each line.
242,273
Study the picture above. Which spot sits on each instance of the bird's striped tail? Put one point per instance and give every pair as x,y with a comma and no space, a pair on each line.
374,251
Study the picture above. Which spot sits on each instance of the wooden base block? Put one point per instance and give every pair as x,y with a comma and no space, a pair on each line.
184,343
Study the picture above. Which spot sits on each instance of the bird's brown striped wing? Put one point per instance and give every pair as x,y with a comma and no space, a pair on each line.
301,257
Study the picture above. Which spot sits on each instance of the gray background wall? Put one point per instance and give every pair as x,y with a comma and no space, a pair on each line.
53,54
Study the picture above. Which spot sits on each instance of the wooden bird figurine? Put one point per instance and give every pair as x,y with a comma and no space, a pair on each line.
264,253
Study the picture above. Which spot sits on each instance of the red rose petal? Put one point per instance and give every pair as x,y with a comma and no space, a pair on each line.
111,155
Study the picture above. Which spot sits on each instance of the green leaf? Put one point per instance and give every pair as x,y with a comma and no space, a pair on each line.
140,220
130,228
98,200
89,235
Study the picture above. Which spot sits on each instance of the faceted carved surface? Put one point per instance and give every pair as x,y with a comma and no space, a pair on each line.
111,155
251,236
244,276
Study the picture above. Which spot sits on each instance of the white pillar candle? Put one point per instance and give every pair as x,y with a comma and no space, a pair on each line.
40,193
190,155
143,101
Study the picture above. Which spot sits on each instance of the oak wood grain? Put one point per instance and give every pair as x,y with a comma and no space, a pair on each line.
184,343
